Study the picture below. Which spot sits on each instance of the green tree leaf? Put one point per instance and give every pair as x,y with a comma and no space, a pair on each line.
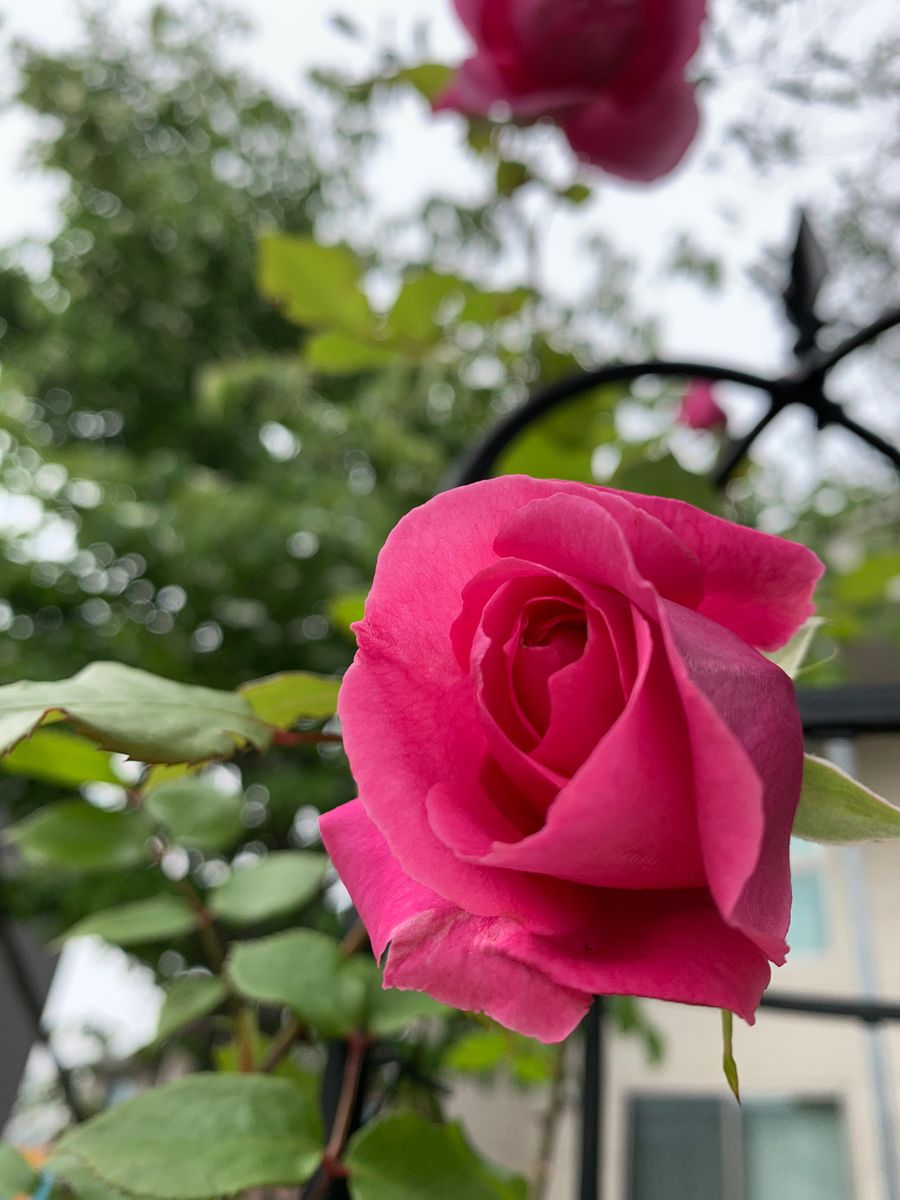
334,353
283,700
76,836
202,1137
314,285
511,175
413,317
15,1174
346,609
196,815
55,756
390,1011
149,718
666,477
577,193
83,1183
188,999
305,971
404,1157
155,920
429,79
837,809
279,884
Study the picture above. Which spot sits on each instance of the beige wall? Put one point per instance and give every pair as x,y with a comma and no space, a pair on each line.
782,1055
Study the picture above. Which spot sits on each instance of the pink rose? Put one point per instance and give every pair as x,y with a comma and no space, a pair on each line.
699,407
609,72
577,775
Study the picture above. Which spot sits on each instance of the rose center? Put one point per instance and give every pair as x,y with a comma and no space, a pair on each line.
551,636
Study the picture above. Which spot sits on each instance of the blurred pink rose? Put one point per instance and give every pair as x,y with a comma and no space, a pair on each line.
609,72
699,407
577,773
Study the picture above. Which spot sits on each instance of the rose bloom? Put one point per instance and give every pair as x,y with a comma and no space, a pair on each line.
699,407
609,72
577,773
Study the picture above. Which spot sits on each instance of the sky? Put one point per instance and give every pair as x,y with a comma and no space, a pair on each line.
737,213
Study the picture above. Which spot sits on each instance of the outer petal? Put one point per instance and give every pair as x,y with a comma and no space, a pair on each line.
755,584
476,963
669,39
665,945
641,139
438,948
747,744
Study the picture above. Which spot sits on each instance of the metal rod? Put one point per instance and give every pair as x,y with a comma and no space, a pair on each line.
480,463
592,1104
872,1012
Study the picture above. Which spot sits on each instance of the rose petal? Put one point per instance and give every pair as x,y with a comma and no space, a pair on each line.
383,895
627,819
669,39
665,945
463,961
409,717
640,139
748,758
592,535
755,584
438,948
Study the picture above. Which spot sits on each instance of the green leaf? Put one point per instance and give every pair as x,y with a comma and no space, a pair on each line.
792,656
196,815
280,884
868,582
15,1174
135,713
58,757
729,1065
335,353
836,809
188,999
484,1051
561,444
345,610
404,1157
578,193
511,175
429,79
414,314
389,1011
305,971
314,285
155,920
666,477
203,1136
76,836
83,1183
283,700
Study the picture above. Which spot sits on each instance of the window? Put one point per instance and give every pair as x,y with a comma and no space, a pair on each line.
808,933
698,1148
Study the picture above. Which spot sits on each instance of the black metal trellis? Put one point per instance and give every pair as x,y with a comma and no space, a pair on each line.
836,712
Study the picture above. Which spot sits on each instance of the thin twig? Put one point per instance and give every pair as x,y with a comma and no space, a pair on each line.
281,1046
331,1167
354,939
